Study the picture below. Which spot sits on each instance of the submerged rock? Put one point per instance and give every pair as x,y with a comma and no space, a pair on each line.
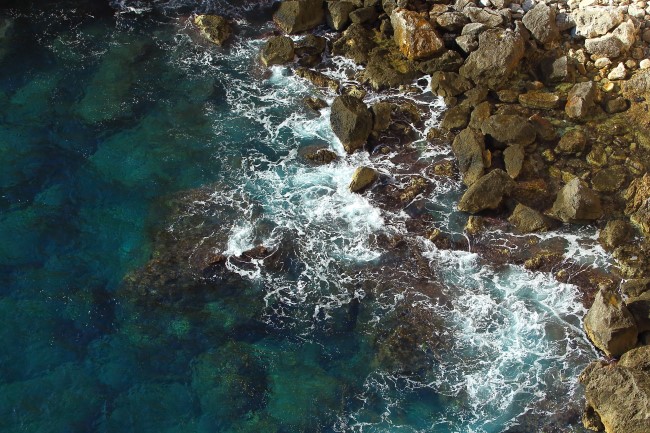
295,16
610,325
487,192
362,178
415,35
214,28
351,121
576,202
277,50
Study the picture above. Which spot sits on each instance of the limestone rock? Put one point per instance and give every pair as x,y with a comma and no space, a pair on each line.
514,157
351,121
509,128
448,84
485,16
496,58
610,325
380,73
487,192
295,16
362,178
637,359
528,220
451,21
592,21
540,21
619,395
613,44
414,35
214,28
637,206
615,233
469,150
277,51
576,202
581,100
338,14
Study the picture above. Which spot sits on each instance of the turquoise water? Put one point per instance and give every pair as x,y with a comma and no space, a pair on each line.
130,150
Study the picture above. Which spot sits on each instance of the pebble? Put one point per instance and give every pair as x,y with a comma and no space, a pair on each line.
603,62
630,64
618,73
646,35
644,64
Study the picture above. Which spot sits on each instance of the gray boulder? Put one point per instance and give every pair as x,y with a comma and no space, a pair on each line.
351,121
540,21
295,16
469,150
610,325
576,202
613,44
496,58
487,192
592,21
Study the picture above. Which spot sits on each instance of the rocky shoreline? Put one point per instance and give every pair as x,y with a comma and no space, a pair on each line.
548,119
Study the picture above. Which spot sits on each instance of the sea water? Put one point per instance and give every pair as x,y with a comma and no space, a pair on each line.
106,116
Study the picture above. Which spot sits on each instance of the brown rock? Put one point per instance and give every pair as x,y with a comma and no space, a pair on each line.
415,35
610,325
581,100
362,178
528,220
615,233
277,51
539,100
295,16
509,128
637,206
514,157
576,202
572,142
487,192
215,28
469,150
351,121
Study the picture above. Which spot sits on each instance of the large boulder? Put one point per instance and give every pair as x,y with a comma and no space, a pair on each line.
338,14
528,220
496,58
637,206
277,50
592,21
620,395
581,101
509,129
362,178
355,43
415,36
610,325
214,28
487,192
295,16
469,150
381,73
351,121
613,44
540,21
576,202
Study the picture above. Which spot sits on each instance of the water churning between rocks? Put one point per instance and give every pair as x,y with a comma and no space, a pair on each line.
171,262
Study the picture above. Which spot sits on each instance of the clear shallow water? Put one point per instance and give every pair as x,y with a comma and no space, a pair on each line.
104,120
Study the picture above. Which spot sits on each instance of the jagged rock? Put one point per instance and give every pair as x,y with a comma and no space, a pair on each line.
456,117
514,157
467,43
311,44
351,121
487,192
451,21
581,100
318,79
540,21
417,185
638,85
364,15
390,5
355,43
480,114
637,359
557,70
509,128
448,84
620,396
338,14
381,113
449,61
414,35
314,103
572,142
576,202
362,178
469,150
609,179
633,259
496,58
539,100
473,29
277,51
214,28
475,225
610,325
380,72
322,156
295,16
615,233
613,44
528,220
637,197
639,307
617,73
487,17
591,22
